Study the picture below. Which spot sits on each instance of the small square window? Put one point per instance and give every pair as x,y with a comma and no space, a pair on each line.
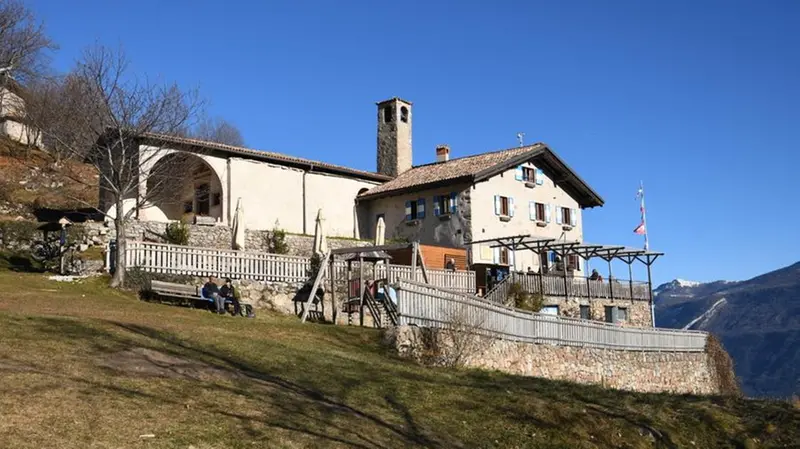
528,174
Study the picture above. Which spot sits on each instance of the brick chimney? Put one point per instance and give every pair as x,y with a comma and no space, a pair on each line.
442,153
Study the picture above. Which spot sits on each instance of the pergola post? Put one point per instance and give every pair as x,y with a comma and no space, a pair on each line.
610,279
566,289
650,296
334,309
361,288
630,277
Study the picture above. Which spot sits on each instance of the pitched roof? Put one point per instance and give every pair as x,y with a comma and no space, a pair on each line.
266,156
483,166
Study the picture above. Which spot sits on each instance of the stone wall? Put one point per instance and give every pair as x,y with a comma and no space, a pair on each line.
638,311
218,237
625,370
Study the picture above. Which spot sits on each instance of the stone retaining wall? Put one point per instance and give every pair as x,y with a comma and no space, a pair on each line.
625,370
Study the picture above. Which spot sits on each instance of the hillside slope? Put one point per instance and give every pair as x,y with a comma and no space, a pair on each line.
31,181
758,321
83,366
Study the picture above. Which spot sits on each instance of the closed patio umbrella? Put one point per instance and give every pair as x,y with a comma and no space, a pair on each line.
320,242
380,232
238,226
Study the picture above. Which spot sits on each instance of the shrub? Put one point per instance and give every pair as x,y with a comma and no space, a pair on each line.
316,264
20,232
275,240
177,233
521,299
722,367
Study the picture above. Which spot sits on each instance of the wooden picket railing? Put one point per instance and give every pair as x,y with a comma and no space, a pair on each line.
201,262
575,287
422,305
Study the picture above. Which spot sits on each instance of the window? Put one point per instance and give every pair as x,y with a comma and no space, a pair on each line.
415,209
404,114
528,174
565,216
585,313
444,204
387,114
503,256
573,262
616,314
539,211
503,206
550,310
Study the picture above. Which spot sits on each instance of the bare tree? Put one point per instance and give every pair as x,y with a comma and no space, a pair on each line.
218,130
107,123
464,337
23,42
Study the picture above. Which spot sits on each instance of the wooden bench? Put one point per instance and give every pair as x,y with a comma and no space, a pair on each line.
190,295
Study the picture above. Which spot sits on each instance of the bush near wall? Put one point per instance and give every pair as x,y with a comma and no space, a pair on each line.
18,233
722,367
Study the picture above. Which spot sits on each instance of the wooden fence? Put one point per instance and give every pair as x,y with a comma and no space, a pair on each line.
423,305
575,287
201,262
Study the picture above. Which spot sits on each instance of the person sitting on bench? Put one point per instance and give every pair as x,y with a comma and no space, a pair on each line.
211,291
227,292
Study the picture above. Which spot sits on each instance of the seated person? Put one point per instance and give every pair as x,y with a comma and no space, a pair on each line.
451,265
227,292
595,276
211,291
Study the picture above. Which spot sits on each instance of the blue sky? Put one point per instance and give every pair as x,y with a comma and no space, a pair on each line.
700,100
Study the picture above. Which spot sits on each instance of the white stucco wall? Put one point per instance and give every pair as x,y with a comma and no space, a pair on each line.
485,224
335,195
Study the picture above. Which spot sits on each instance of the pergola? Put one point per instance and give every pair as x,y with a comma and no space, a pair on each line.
586,251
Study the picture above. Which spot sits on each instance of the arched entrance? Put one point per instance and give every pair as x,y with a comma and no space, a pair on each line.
181,186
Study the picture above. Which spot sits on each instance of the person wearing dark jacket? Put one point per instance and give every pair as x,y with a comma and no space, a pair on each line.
211,291
228,293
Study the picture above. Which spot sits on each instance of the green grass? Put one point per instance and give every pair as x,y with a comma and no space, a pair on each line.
82,366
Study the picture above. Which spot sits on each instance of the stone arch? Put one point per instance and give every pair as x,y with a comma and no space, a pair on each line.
181,185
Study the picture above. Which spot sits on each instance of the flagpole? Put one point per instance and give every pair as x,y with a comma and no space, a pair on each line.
644,219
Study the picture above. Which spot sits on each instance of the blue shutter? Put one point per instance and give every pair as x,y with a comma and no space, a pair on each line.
510,207
452,202
532,210
495,255
408,211
497,205
558,214
511,259
539,176
436,208
518,173
547,213
573,217
421,208
552,256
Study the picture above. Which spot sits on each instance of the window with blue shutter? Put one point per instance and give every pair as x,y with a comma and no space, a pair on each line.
436,206
547,213
510,207
497,205
421,208
573,217
532,210
495,255
559,215
518,173
452,202
539,176
409,215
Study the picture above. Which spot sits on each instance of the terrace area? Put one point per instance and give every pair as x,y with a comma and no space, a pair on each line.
562,282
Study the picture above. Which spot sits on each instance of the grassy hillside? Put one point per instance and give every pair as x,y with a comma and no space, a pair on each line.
82,366
30,180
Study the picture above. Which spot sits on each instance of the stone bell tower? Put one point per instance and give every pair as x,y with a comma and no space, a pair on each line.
394,136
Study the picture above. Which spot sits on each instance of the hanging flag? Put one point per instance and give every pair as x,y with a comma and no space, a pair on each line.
640,230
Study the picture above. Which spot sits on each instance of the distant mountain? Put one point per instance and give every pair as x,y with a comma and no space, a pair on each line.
758,321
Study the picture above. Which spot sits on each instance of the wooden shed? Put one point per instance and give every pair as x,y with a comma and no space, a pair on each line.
434,257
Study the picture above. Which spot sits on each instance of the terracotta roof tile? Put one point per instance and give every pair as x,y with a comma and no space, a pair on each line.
463,167
268,156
